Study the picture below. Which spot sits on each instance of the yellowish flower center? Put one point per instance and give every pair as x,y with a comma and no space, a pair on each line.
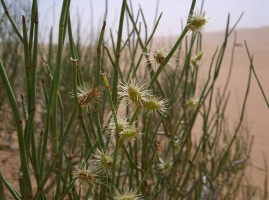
152,105
158,56
88,97
129,133
106,162
134,95
127,197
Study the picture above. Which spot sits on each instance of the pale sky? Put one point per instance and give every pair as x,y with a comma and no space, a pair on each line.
256,14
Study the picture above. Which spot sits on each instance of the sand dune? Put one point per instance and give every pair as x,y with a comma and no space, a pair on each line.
257,112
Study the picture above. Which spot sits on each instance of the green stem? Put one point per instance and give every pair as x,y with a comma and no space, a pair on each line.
225,156
29,91
97,115
256,77
117,54
139,38
27,64
85,130
117,129
145,146
11,21
171,53
148,170
12,191
56,77
58,172
112,107
67,129
2,192
34,156
99,44
40,141
25,112
18,121
22,186
29,132
168,57
71,185
52,103
134,116
130,159
32,24
45,178
32,107
68,168
110,57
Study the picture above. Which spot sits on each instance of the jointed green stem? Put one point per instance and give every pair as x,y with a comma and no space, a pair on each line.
117,53
52,103
117,130
148,170
12,191
11,21
18,120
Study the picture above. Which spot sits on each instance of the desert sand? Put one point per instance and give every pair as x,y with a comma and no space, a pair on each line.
256,118
257,112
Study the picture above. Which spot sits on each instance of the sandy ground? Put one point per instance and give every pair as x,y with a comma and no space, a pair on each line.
257,113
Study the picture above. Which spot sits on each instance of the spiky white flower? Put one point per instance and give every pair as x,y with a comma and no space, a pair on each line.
85,176
155,105
197,22
129,134
164,166
192,104
127,195
196,59
102,160
135,92
158,54
87,95
122,124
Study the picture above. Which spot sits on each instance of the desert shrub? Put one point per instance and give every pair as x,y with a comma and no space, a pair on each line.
115,120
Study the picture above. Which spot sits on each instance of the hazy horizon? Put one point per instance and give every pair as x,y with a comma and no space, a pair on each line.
91,14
